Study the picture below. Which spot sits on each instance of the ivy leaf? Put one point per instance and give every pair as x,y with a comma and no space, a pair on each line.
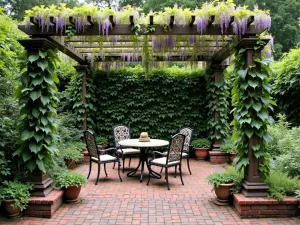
25,135
48,80
35,95
41,165
35,112
262,115
257,124
253,83
26,156
43,64
249,132
256,147
42,54
44,120
262,76
45,100
38,137
33,147
243,162
37,81
257,106
242,73
31,165
33,58
267,137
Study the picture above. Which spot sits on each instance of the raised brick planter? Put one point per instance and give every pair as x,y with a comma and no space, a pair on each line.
86,158
218,157
265,207
44,206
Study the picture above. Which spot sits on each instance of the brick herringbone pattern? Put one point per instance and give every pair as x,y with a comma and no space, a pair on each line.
132,202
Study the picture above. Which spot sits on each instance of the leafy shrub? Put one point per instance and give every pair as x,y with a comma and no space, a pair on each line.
70,178
71,153
289,162
4,166
16,191
228,146
201,143
281,185
230,175
101,141
297,192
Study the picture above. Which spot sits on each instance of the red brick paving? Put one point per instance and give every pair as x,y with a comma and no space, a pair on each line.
132,202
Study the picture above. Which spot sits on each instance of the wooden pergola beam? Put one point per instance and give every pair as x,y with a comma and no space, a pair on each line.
72,53
157,59
130,46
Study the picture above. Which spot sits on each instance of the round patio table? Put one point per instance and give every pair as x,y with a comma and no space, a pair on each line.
145,149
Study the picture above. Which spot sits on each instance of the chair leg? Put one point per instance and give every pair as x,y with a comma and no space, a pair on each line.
114,165
119,165
188,164
167,178
105,169
123,159
149,176
129,160
90,170
161,170
98,174
180,174
175,171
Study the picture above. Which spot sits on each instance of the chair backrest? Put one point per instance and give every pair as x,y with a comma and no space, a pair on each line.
91,144
175,148
188,132
120,133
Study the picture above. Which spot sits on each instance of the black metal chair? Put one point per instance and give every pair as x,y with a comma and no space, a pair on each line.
173,157
120,133
188,132
100,156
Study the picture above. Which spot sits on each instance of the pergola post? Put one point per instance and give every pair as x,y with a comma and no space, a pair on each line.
83,69
216,156
41,181
252,185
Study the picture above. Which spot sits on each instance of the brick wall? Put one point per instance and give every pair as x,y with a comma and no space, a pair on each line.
264,207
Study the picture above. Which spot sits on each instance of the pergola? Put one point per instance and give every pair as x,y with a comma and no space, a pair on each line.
216,46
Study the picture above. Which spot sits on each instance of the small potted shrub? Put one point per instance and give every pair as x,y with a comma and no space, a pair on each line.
224,183
230,148
201,147
71,155
102,141
15,197
71,182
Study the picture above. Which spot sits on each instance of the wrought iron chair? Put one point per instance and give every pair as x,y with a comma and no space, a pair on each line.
173,157
188,132
100,156
120,133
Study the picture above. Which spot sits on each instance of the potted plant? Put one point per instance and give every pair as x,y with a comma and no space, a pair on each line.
71,155
15,197
71,182
230,148
225,183
201,147
102,142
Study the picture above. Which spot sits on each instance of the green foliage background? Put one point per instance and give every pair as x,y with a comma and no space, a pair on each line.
159,103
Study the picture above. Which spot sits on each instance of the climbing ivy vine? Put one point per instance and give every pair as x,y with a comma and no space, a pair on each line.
37,96
251,101
217,98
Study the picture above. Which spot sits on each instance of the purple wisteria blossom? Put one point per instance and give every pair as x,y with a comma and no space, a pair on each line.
106,67
169,42
202,23
268,53
224,21
240,26
192,40
79,23
105,26
262,21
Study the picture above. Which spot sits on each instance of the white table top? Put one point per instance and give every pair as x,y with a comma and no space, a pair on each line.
137,143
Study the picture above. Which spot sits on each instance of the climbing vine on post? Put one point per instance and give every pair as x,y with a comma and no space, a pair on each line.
251,101
217,95
37,98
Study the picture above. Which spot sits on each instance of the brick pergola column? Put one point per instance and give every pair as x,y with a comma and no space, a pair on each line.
252,185
41,181
83,69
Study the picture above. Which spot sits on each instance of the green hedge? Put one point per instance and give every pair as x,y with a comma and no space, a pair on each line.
159,103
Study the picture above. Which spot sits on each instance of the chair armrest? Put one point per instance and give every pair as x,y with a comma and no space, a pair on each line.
111,151
154,153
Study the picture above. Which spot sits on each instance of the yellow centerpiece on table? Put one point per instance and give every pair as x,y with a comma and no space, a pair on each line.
144,137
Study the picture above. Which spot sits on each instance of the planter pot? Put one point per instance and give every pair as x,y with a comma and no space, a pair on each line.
201,153
10,211
223,193
86,158
71,193
231,157
70,163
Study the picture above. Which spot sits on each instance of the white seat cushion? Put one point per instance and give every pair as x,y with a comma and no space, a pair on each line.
104,158
129,151
184,154
163,161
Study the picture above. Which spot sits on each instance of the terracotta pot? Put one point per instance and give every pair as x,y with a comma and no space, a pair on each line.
231,157
11,212
223,193
201,153
71,193
70,163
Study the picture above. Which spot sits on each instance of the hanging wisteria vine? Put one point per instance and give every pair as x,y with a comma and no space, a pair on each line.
223,11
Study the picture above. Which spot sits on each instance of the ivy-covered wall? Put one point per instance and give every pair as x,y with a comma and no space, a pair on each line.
159,103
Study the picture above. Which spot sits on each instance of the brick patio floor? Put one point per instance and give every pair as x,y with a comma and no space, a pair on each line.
132,202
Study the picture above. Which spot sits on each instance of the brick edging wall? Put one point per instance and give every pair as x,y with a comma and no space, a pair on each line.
265,207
